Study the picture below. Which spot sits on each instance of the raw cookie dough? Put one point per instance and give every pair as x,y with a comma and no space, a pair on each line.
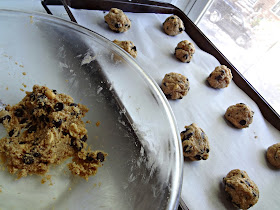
240,189
117,20
184,51
128,46
220,77
273,155
175,86
240,115
46,128
173,25
195,143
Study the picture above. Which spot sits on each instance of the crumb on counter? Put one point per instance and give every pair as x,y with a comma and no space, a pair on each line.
24,73
97,123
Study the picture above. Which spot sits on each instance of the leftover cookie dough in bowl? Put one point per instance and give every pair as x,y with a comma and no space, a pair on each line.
73,122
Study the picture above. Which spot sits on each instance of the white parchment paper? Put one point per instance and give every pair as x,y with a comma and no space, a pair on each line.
230,148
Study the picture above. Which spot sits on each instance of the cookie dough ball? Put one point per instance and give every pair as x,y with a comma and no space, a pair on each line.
273,155
240,115
128,46
240,189
117,20
173,25
195,143
184,51
175,86
220,77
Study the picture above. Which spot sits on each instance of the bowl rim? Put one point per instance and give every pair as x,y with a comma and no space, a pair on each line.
177,187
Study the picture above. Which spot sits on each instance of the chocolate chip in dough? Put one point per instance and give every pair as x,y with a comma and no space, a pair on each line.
84,139
242,122
11,133
58,123
58,106
19,112
100,156
7,117
28,159
32,128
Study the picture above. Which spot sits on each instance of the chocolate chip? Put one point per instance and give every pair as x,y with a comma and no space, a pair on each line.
36,154
117,25
79,146
19,112
186,56
76,145
23,121
42,118
222,72
242,122
73,141
168,96
32,128
207,150
65,133
73,104
180,29
248,183
32,96
7,117
58,123
11,133
48,108
41,97
58,106
198,157
187,149
172,18
28,159
180,97
54,91
254,194
134,48
100,156
84,139
188,136
22,142
89,157
218,77
185,131
230,186
242,103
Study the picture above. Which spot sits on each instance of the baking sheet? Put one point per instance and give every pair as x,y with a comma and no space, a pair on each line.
230,148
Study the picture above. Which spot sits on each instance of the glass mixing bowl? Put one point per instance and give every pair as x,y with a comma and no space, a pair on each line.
135,126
